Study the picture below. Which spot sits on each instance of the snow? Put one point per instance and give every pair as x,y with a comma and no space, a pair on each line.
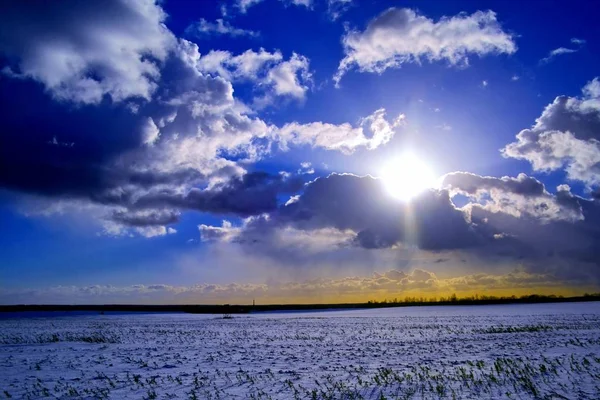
508,351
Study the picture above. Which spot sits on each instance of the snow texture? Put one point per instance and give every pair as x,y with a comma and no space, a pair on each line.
546,351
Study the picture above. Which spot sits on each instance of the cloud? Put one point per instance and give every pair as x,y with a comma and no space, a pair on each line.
345,219
226,232
549,232
244,5
566,136
361,206
285,77
150,132
155,231
251,194
82,54
557,52
272,74
335,8
371,132
155,158
518,196
145,218
306,168
402,35
472,184
388,284
203,28
563,50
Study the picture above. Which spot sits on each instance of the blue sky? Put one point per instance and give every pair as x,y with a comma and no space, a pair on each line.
124,149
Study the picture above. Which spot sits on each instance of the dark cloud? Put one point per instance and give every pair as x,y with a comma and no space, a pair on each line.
112,159
361,204
527,223
28,162
251,194
469,183
557,233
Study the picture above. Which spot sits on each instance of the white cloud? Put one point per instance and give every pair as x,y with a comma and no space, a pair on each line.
287,77
219,27
306,168
274,75
305,3
244,5
150,132
115,52
399,36
566,135
371,132
518,196
557,52
225,233
155,231
563,50
335,8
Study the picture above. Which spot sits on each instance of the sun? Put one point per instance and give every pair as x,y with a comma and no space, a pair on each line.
406,176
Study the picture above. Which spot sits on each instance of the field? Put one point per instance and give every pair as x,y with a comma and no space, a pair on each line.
545,351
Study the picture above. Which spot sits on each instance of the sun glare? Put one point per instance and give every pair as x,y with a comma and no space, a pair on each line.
406,176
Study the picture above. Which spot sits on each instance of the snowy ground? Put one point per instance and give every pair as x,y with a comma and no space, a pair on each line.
547,351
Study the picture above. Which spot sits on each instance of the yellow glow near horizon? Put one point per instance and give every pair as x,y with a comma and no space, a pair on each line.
406,176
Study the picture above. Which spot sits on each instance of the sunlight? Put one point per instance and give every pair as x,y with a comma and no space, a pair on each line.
406,176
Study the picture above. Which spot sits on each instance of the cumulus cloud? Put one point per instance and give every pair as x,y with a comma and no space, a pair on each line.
566,135
518,196
550,232
287,76
226,232
184,150
81,54
203,28
371,132
274,75
402,35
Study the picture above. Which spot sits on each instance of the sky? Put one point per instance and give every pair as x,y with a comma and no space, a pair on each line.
297,151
